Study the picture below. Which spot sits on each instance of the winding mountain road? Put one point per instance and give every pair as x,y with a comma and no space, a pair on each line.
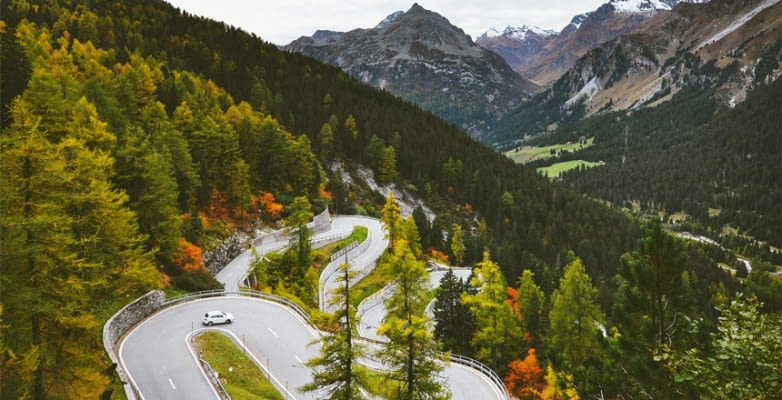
372,311
160,362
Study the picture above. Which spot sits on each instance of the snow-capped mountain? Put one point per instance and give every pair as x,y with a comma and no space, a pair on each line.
518,33
547,58
728,46
515,44
633,6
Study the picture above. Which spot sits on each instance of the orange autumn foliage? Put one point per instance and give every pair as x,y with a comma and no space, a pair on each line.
529,338
438,255
189,257
218,205
268,206
525,378
322,192
513,302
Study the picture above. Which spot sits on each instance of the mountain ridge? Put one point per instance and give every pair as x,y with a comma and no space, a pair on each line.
672,51
420,56
545,59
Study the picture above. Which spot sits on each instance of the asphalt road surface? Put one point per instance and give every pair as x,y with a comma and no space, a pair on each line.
160,361
371,319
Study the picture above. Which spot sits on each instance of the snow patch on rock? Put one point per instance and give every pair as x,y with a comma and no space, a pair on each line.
588,91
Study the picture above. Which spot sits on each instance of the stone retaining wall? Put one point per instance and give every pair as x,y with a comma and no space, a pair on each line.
320,223
121,322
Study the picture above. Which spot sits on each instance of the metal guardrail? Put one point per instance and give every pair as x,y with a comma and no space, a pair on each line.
213,374
466,361
459,359
242,292
283,244
343,251
332,267
330,238
477,365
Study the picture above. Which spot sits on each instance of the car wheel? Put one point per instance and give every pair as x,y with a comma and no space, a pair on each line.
228,321
209,323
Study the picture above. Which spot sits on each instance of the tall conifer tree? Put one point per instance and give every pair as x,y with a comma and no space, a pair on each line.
575,315
498,338
411,353
334,371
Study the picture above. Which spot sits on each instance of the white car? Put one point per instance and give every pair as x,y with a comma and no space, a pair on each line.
217,317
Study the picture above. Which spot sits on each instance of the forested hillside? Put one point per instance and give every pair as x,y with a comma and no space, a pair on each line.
304,96
136,137
726,166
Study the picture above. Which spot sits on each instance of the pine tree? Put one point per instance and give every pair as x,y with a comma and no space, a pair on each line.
148,178
498,339
651,288
651,296
386,170
392,219
334,371
67,239
171,144
411,353
300,213
531,301
457,244
303,177
410,232
574,315
454,323
325,141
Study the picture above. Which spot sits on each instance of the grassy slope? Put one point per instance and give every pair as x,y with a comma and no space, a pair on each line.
553,171
241,377
526,154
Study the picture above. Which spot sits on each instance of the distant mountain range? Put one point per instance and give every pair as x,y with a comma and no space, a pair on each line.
623,55
420,56
731,45
544,55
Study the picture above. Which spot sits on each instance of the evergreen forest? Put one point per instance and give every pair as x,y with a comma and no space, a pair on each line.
138,139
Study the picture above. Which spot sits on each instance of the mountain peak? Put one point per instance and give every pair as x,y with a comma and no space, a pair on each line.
390,19
420,56
416,7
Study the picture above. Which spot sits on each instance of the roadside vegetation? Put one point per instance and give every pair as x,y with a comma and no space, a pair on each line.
185,130
241,377
272,273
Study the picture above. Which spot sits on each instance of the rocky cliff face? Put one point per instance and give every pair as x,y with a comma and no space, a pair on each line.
729,45
544,60
419,56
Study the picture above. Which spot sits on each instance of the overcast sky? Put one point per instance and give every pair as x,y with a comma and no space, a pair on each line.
282,21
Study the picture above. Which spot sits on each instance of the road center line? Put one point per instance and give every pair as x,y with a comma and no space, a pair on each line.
172,383
273,332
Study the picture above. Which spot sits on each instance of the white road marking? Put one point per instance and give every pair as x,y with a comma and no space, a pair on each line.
172,383
273,332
